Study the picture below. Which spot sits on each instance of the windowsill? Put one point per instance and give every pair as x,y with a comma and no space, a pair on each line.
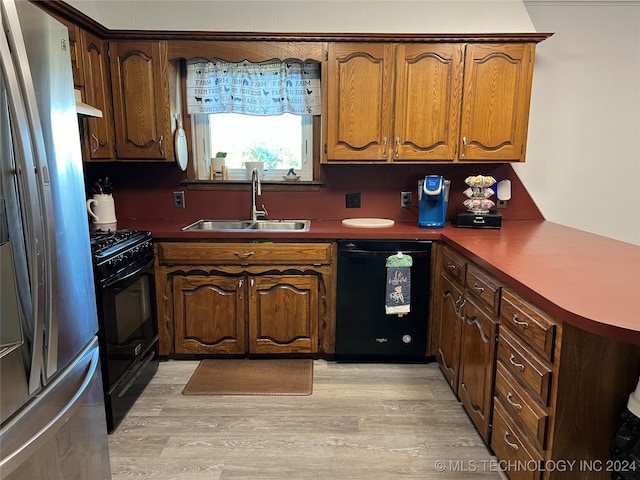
245,184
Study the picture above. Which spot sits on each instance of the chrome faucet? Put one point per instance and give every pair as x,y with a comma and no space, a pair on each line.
256,189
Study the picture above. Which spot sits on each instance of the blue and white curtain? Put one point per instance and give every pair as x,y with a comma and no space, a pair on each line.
268,88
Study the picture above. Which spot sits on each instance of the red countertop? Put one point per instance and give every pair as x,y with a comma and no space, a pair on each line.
586,280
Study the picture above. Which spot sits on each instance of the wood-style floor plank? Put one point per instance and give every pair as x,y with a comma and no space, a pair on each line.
363,421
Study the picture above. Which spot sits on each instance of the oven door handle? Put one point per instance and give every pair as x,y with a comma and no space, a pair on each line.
133,273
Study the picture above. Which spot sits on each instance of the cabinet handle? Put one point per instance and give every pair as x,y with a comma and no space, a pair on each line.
459,307
397,153
243,255
384,147
93,136
451,266
477,288
464,147
160,144
506,440
518,322
240,283
476,322
516,405
513,362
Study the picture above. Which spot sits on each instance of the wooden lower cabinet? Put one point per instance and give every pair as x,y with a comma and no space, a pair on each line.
464,315
209,312
477,360
283,314
548,398
227,298
448,305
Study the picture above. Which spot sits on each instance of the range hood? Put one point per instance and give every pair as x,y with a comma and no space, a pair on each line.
84,109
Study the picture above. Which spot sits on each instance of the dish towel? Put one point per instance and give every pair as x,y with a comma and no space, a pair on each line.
398,291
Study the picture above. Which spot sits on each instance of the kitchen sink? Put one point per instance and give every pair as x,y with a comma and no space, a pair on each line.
248,225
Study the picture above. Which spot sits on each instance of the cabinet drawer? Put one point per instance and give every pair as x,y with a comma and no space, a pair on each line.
524,366
192,253
523,409
531,323
511,446
481,285
453,264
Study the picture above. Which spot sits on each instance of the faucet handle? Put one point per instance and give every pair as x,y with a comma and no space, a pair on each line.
264,212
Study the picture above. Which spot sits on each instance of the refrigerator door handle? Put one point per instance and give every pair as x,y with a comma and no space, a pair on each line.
15,447
36,199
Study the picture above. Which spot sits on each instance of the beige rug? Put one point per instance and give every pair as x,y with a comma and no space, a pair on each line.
251,377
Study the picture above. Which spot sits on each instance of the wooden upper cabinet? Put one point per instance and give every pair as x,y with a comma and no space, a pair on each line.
140,84
495,108
99,137
75,51
359,102
427,101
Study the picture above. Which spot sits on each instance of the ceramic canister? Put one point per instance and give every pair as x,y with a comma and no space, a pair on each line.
102,211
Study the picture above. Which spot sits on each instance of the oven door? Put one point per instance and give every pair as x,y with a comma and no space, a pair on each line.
126,317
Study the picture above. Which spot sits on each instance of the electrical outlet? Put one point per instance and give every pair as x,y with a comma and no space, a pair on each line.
501,203
405,199
352,200
178,200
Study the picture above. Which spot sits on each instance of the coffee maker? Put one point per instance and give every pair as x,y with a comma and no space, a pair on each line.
433,198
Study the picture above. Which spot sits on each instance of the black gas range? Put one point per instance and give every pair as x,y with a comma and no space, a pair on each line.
116,252
123,265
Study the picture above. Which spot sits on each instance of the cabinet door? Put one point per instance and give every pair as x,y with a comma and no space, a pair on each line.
495,107
283,314
99,138
428,96
141,100
477,366
449,303
75,49
209,314
359,102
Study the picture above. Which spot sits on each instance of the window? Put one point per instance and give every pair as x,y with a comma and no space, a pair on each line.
280,141
254,112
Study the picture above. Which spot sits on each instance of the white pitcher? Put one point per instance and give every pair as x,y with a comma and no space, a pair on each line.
102,210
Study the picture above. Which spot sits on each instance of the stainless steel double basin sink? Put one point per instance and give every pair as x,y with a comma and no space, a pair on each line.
248,225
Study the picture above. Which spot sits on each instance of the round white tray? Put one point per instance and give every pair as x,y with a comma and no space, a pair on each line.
368,222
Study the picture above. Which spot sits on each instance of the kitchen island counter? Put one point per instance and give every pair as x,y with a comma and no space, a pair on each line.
589,281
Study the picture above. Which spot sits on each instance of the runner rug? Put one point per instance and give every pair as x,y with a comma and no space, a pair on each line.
251,377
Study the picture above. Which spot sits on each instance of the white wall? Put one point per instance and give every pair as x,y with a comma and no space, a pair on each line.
311,16
583,157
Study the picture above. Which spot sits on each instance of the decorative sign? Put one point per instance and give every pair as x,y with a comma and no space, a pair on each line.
269,88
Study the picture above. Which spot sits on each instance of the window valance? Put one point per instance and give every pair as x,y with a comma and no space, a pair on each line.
267,88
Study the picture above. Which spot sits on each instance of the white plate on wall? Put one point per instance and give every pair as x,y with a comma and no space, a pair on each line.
368,222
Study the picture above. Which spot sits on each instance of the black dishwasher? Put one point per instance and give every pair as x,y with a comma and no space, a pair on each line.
364,329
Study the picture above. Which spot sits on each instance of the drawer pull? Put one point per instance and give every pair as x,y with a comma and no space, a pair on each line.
519,323
478,289
515,405
512,445
451,266
243,255
513,362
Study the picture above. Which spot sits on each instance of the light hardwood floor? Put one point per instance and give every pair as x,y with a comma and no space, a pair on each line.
363,421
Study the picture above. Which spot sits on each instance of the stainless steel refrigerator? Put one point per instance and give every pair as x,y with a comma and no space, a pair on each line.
51,406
